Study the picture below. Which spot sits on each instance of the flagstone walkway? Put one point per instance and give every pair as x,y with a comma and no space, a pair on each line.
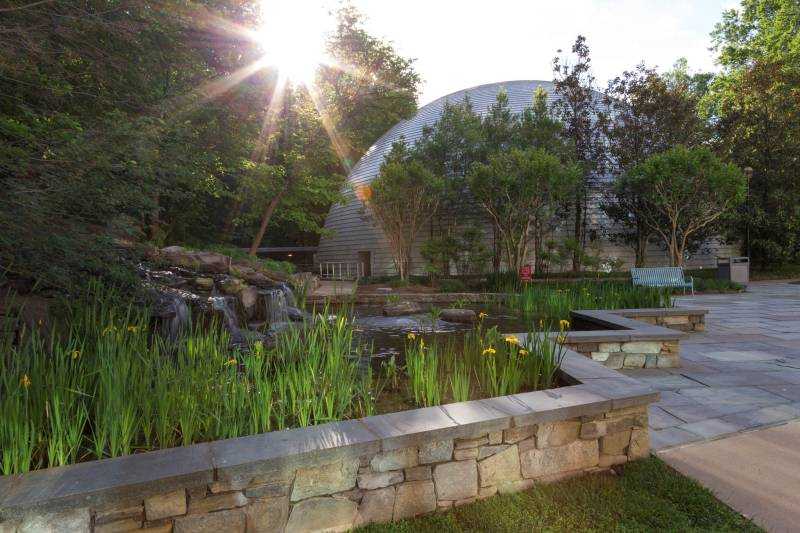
743,373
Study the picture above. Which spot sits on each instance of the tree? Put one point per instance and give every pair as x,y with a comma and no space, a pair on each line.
367,90
687,190
402,198
646,114
579,108
520,191
753,104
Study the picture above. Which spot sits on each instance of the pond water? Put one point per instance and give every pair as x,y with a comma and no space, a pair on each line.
387,335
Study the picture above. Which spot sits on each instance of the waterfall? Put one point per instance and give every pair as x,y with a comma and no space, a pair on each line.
275,305
223,305
288,294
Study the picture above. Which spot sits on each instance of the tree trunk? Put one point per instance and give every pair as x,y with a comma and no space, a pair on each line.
640,248
265,218
576,255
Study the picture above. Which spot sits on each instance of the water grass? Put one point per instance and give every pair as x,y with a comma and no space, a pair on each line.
554,302
103,385
488,363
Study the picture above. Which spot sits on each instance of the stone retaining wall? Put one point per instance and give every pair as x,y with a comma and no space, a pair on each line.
635,338
341,475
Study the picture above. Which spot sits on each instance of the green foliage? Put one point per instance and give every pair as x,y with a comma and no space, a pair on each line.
465,251
688,192
103,386
753,105
402,199
648,113
553,302
132,123
488,364
452,285
645,495
521,191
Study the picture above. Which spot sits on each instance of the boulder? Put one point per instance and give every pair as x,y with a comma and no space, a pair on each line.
402,308
231,286
211,262
460,316
204,284
248,297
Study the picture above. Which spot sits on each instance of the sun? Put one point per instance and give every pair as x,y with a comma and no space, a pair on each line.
292,38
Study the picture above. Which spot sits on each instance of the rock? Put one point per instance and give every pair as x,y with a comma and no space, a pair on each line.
496,437
267,515
231,286
258,279
500,467
217,502
418,473
402,308
297,315
456,480
232,520
467,453
642,347
270,489
577,455
210,262
507,487
377,506
322,514
487,451
204,284
73,521
557,433
378,480
127,524
165,505
460,316
471,443
326,479
395,460
414,498
105,516
616,443
516,434
436,452
248,297
640,444
607,461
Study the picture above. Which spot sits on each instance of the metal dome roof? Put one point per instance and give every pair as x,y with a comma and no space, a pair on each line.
520,97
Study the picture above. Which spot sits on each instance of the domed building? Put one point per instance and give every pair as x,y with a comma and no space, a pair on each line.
356,244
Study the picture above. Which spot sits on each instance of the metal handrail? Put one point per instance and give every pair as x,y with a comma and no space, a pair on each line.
342,270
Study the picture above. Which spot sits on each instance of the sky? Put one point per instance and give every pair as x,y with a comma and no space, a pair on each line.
463,43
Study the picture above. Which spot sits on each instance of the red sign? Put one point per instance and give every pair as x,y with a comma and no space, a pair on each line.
525,273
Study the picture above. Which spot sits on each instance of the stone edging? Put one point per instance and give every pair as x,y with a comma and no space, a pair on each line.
233,464
636,338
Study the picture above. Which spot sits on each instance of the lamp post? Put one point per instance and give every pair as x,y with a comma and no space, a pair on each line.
748,172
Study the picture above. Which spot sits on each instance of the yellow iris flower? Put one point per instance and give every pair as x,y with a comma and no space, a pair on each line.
25,381
489,351
563,324
411,336
76,354
512,339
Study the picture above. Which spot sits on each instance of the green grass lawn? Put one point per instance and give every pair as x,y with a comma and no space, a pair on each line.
647,496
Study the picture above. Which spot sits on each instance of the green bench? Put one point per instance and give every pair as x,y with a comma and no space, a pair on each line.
662,277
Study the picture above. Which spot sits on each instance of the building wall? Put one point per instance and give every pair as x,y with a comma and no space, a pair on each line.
353,229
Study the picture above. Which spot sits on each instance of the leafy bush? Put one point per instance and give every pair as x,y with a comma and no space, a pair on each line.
452,285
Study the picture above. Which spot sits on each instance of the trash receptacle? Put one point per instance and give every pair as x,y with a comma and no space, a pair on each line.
734,269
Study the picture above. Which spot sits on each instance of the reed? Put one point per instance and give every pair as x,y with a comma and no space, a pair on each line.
551,303
103,385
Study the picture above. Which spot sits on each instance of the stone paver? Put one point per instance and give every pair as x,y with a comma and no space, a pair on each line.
756,473
742,373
